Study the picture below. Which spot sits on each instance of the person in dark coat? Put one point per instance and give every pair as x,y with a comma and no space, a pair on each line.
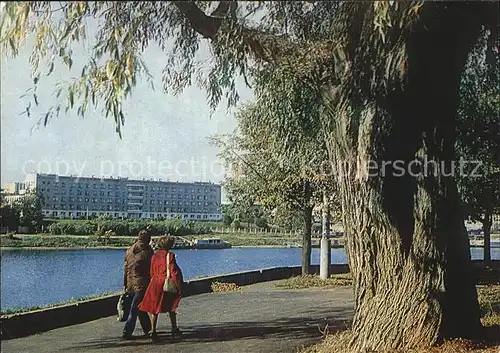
135,281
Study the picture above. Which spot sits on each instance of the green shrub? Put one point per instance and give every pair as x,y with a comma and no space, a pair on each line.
261,223
227,220
84,228
129,227
236,224
118,227
72,227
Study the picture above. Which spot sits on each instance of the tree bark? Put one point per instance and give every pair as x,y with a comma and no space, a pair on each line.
407,245
487,222
306,241
306,233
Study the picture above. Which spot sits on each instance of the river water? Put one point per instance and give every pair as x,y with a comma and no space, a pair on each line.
40,277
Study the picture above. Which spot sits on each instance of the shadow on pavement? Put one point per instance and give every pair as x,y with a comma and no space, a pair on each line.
282,329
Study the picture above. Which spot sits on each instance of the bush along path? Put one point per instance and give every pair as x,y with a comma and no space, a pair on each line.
129,227
106,240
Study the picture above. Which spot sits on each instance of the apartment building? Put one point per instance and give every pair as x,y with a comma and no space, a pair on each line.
82,197
16,188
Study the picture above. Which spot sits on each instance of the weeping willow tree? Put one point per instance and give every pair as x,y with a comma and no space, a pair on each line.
388,74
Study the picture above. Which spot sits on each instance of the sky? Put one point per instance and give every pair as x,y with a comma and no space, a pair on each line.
164,137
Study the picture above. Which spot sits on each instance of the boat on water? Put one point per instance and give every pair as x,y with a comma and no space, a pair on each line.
211,243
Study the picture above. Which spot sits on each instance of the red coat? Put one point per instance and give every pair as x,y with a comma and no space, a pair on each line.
156,300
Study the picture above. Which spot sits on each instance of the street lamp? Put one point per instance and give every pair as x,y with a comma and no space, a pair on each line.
325,250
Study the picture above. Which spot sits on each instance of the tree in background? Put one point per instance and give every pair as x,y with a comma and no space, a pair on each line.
478,140
29,208
262,172
243,210
388,73
227,217
9,216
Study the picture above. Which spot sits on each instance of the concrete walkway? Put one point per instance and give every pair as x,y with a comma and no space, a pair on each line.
260,318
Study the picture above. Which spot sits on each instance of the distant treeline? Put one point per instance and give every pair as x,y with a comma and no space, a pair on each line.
130,227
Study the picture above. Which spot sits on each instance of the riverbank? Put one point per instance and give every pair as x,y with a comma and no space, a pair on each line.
46,248
61,248
30,242
82,242
64,242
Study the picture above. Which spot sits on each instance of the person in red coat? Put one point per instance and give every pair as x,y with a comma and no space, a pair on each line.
155,300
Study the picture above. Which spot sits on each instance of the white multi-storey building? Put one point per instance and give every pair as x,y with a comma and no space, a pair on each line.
82,197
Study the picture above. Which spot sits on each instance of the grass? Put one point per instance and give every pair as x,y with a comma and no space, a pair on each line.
11,311
489,302
62,242
309,281
250,239
72,241
337,343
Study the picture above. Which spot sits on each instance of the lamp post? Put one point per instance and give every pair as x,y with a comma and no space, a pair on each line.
325,250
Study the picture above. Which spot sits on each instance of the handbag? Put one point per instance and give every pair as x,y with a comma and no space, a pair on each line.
123,307
169,286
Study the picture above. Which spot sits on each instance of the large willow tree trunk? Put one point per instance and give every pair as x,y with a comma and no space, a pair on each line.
406,240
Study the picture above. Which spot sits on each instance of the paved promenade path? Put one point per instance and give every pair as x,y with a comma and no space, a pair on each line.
261,318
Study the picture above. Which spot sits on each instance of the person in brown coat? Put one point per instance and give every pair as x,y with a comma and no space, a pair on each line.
135,281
